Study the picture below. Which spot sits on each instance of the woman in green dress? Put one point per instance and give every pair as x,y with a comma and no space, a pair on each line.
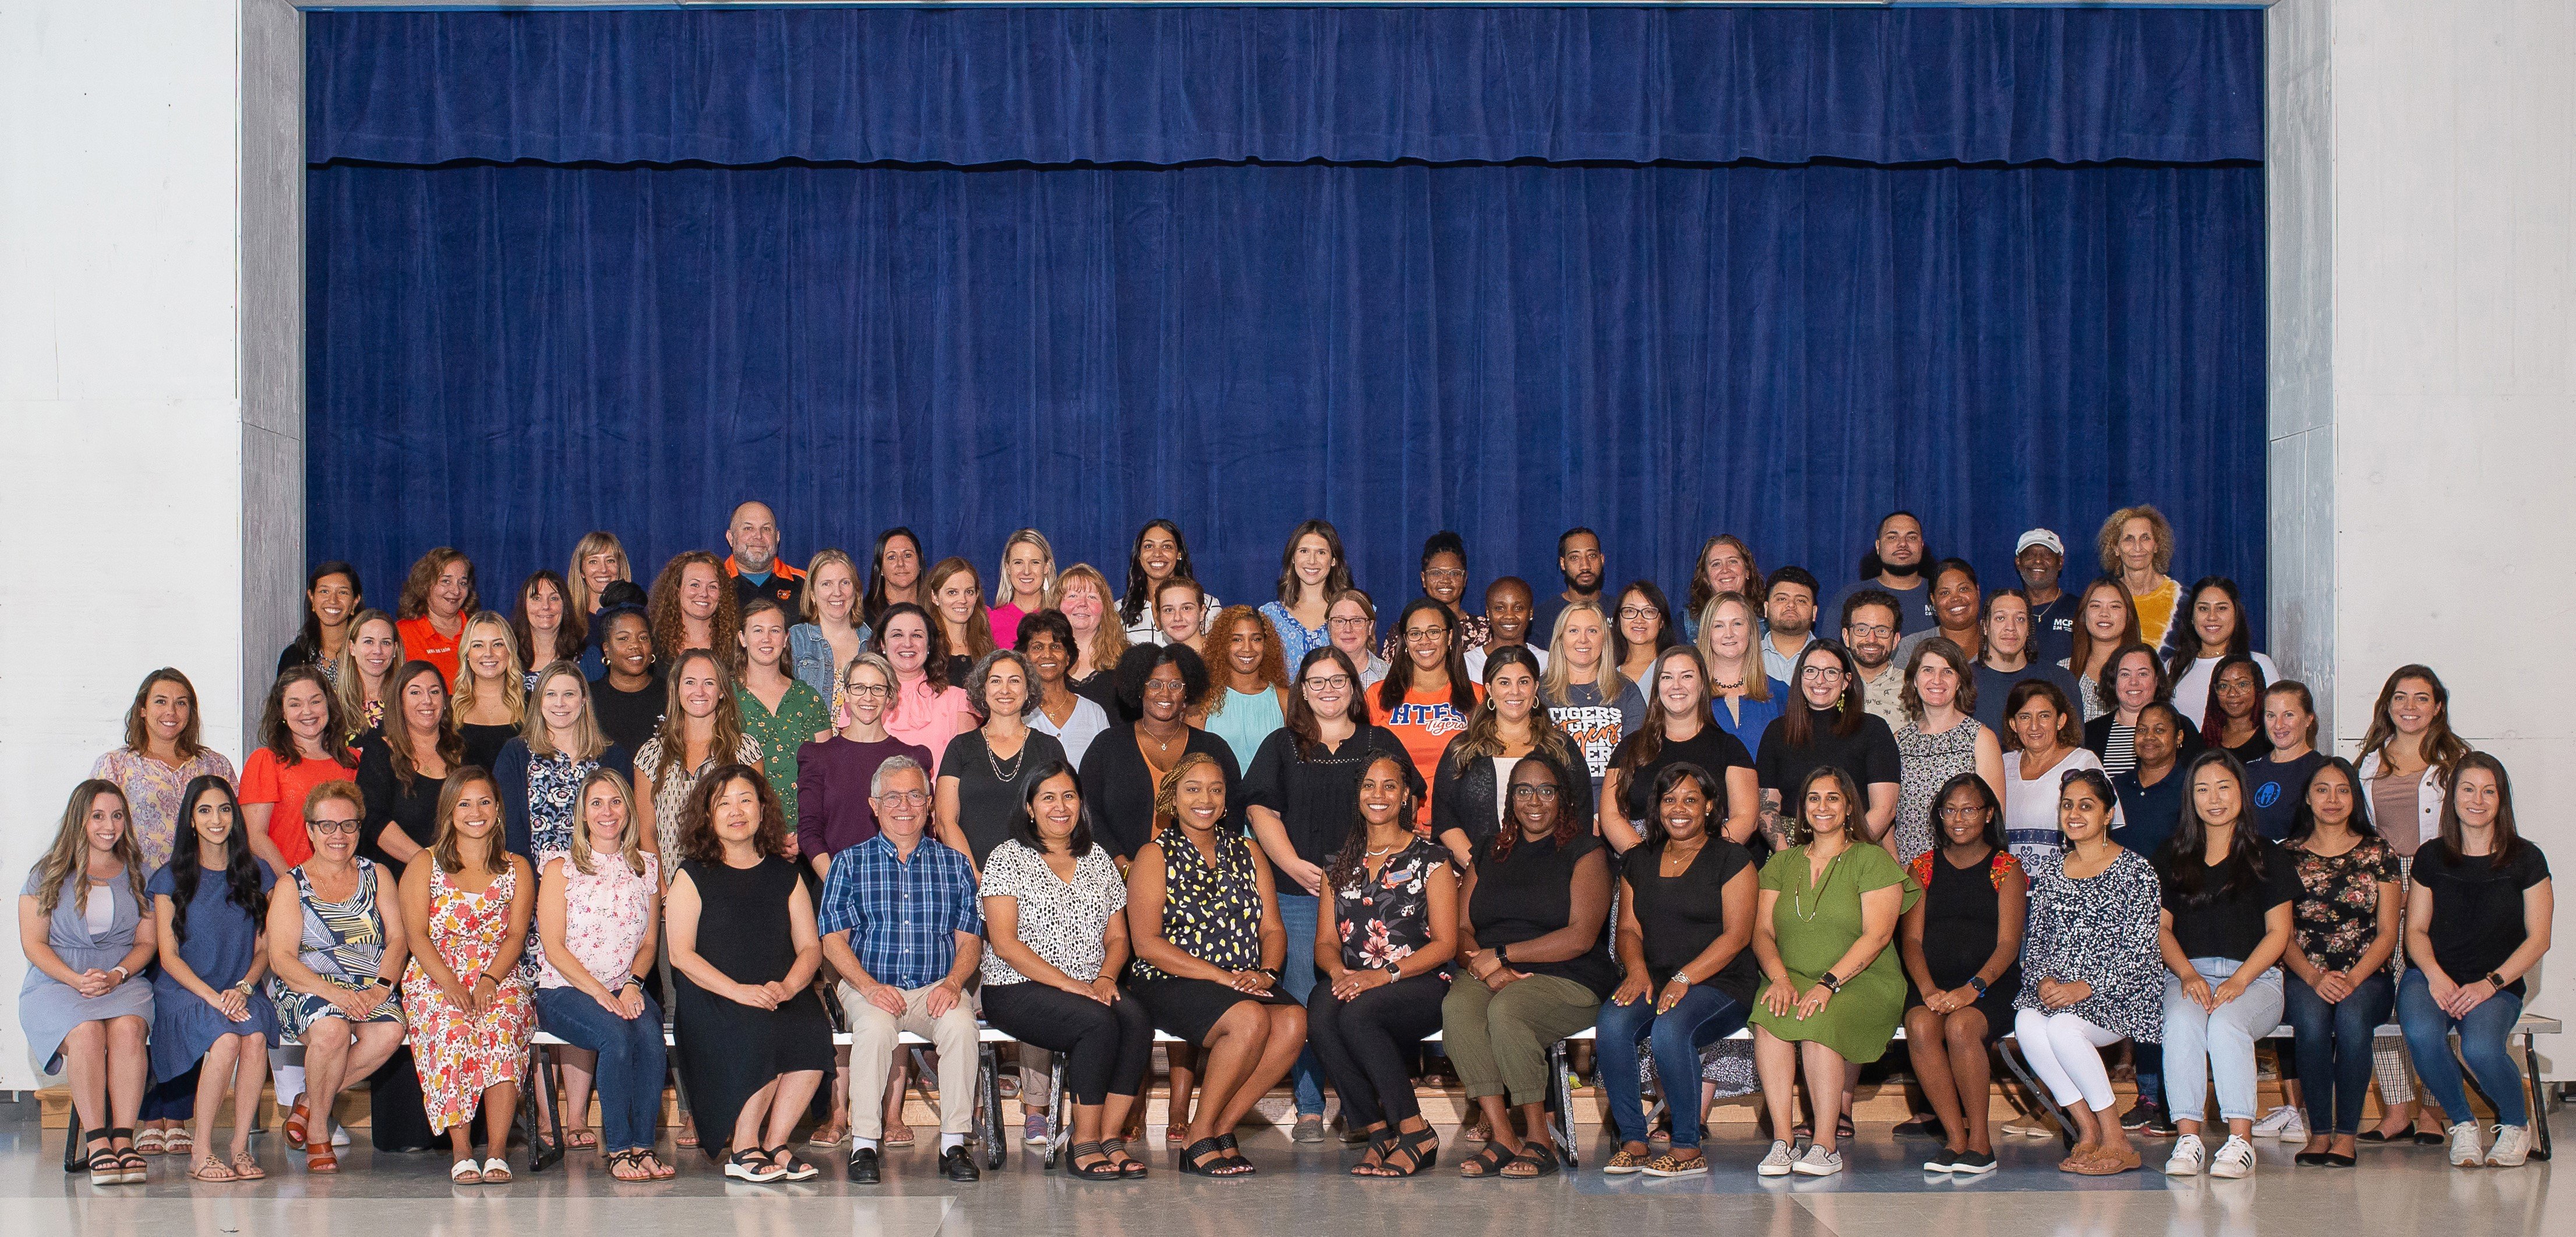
1831,988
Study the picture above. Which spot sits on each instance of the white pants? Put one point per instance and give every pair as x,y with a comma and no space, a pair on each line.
2066,1052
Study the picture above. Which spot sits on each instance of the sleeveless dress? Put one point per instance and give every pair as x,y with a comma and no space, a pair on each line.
48,1008
727,1051
1924,763
1962,915
343,943
1212,913
460,1054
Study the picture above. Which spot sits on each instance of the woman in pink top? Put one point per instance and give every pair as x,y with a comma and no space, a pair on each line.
927,711
1024,583
596,919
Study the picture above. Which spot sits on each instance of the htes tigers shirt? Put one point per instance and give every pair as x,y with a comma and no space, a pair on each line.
1597,725
1424,721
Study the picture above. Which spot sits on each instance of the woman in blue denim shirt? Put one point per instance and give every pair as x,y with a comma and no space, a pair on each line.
821,647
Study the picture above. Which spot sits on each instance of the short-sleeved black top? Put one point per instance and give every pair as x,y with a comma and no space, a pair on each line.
2477,907
1712,749
1530,893
1316,791
2228,924
1868,754
1679,915
989,788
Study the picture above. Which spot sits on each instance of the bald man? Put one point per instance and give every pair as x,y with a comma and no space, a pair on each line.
754,565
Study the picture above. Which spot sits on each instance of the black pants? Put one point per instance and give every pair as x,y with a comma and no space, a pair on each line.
1107,1048
1366,1041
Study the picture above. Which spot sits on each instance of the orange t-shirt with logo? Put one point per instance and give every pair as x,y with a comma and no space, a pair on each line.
421,642
1425,721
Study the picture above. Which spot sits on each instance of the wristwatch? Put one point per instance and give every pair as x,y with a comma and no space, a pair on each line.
1502,955
1831,984
245,987
2497,980
1394,971
1978,982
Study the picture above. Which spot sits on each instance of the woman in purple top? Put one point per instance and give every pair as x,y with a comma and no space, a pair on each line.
832,774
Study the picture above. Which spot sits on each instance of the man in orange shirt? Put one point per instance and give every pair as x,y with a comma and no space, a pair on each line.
754,565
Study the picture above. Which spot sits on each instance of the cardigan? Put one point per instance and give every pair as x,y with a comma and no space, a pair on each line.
1119,788
1465,800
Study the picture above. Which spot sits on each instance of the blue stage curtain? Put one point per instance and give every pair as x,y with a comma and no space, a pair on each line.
502,358
1174,85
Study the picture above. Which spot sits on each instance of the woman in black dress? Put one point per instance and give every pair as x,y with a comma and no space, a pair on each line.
751,1040
1961,946
1205,920
402,767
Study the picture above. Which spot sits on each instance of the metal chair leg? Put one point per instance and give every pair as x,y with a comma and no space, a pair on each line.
2539,1097
1561,1090
1057,1130
988,1086
545,1078
2010,1050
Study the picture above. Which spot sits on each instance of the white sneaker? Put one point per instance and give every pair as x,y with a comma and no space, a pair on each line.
1777,1163
2512,1147
2465,1152
2277,1120
2187,1158
1818,1162
2235,1159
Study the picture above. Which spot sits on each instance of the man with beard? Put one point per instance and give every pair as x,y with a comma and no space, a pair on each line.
752,534
2039,556
1506,622
1788,620
1869,631
2007,658
1894,566
1579,560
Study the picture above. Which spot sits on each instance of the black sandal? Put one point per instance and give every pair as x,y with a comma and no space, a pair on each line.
1380,1144
793,1169
1105,1170
1538,1155
1485,1164
1423,1146
129,1160
1234,1155
1215,1163
1128,1165
105,1167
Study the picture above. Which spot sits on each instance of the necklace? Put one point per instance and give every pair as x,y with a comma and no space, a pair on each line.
1798,903
1016,761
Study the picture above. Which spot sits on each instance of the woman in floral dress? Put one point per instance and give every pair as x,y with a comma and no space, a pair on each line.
469,1004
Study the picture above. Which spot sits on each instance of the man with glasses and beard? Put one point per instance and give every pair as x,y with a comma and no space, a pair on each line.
1869,631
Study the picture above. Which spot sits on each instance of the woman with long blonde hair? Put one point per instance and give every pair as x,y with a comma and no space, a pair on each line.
598,917
1022,584
598,560
490,687
81,922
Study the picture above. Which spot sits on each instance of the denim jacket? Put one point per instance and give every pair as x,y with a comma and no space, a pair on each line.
811,656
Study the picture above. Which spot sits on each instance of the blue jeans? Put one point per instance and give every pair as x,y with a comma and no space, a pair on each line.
2482,1043
1702,1017
2332,1043
631,1062
1297,913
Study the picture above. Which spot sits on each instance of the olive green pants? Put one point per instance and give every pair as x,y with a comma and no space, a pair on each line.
1498,1041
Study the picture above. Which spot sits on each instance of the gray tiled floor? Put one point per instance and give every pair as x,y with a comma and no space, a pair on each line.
1300,1189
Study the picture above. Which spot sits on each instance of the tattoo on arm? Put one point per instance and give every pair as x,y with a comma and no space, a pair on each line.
1773,825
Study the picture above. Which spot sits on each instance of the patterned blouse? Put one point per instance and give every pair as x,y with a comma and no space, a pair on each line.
152,791
799,718
1925,762
554,783
605,914
2102,930
1295,639
671,791
2337,910
1213,913
1060,921
1383,921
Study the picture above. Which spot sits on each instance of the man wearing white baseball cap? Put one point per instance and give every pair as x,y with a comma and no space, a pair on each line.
2039,556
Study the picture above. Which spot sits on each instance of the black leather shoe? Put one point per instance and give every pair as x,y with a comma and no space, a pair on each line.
958,1164
863,1165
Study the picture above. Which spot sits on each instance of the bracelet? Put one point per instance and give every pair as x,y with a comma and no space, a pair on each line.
480,976
121,973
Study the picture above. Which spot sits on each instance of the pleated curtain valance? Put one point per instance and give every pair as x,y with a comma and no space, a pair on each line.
1166,86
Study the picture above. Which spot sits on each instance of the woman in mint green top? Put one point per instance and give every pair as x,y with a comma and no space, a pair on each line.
1832,990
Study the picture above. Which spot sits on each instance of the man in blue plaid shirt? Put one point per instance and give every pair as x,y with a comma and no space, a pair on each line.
902,925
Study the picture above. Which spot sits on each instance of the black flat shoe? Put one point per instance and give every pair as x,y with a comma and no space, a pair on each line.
865,1166
2336,1159
957,1164
1918,1127
2312,1159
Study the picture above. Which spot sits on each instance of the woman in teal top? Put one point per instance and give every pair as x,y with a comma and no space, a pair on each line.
1245,702
1832,990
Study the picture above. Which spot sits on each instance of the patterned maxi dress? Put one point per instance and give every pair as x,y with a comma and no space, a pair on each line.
459,1054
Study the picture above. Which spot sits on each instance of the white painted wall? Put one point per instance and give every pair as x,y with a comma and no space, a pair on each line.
121,515
2454,385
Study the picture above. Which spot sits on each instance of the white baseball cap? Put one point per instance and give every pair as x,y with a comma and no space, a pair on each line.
2040,536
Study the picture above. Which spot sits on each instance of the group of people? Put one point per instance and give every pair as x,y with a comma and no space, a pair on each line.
772,801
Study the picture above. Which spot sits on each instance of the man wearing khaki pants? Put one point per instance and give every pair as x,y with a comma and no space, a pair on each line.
901,924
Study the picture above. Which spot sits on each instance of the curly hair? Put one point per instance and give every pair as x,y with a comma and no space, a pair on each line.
1139,662
698,840
2107,542
414,602
982,674
662,610
1273,669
